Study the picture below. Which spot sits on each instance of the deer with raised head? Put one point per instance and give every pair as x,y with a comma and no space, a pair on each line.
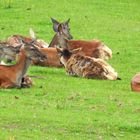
8,52
13,76
52,55
92,48
64,33
84,66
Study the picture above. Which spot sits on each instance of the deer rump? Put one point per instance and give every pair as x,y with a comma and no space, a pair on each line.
93,48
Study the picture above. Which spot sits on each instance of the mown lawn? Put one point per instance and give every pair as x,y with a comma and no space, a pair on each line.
60,107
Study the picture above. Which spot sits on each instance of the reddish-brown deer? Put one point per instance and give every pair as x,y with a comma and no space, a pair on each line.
13,76
14,40
93,48
52,55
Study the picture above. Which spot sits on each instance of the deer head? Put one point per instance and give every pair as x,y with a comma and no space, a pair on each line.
9,52
62,29
66,54
33,52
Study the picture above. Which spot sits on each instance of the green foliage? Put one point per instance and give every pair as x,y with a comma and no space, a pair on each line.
63,107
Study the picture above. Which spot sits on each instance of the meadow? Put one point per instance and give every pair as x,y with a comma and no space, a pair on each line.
60,107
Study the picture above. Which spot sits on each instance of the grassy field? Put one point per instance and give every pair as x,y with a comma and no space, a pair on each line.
59,107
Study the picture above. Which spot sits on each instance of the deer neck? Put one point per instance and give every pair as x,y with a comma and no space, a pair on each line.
54,41
22,65
62,41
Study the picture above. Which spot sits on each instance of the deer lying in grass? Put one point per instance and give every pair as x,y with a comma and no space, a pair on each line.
135,83
14,76
93,48
84,66
15,40
52,58
52,55
8,52
64,33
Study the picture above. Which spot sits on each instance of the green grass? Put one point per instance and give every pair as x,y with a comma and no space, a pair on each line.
60,107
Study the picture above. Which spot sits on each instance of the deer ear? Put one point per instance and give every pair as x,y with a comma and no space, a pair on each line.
55,24
19,46
67,22
59,51
32,33
59,28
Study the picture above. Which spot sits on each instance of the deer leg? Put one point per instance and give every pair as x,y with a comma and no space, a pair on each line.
9,85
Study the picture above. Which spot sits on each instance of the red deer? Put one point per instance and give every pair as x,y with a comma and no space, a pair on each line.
135,83
14,40
52,55
84,66
13,76
93,48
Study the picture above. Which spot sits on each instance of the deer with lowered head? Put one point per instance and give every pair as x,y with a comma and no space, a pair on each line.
84,66
92,48
14,76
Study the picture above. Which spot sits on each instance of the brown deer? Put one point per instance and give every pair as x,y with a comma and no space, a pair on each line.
135,83
84,66
13,76
64,33
52,55
93,48
15,40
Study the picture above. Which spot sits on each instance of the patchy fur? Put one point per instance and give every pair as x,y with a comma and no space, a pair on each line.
87,67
